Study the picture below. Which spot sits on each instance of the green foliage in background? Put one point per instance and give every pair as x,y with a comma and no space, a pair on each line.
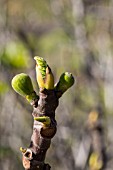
3,87
7,155
15,55
51,42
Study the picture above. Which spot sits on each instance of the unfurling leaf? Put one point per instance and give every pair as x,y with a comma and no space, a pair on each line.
44,74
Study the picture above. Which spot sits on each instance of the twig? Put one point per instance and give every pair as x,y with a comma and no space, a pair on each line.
44,106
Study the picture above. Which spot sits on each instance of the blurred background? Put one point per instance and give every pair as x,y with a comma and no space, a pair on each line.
71,35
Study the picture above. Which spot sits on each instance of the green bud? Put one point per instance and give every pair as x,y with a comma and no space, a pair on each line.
44,119
65,82
23,150
22,84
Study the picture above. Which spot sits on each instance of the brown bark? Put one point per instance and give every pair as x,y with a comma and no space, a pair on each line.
34,156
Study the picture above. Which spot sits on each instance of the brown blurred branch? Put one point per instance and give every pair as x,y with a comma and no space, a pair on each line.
97,158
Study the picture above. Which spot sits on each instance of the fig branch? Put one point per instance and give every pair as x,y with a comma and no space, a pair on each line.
44,106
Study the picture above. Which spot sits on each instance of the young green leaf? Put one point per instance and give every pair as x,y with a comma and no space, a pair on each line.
44,74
